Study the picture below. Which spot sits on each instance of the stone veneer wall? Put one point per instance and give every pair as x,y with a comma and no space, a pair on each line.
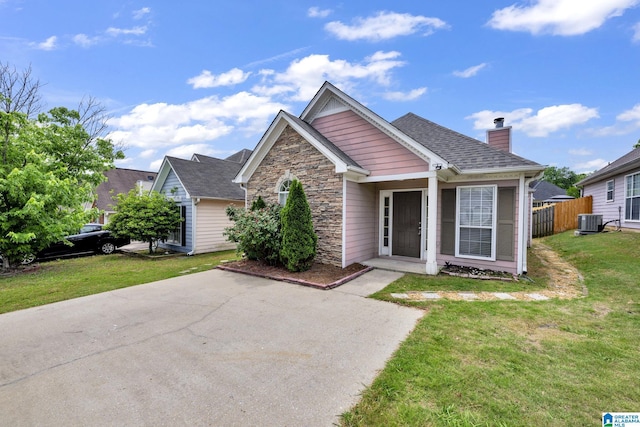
321,184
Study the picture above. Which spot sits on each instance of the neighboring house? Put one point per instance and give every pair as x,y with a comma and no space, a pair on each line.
120,181
546,192
203,189
409,188
616,190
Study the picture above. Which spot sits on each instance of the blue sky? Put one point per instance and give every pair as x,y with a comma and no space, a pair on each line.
208,77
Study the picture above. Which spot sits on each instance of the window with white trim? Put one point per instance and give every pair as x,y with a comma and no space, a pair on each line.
476,222
632,198
283,191
610,190
176,237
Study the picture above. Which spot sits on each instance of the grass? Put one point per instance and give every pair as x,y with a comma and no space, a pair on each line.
75,277
503,363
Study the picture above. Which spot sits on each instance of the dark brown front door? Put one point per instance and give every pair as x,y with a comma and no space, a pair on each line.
406,223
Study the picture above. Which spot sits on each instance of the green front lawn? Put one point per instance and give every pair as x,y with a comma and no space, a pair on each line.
75,277
503,363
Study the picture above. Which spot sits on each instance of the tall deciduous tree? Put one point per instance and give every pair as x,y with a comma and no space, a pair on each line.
49,166
148,217
564,178
47,175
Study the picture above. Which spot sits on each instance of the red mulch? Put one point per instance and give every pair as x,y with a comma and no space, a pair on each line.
322,276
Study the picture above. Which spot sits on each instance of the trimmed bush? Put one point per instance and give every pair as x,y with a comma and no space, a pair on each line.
256,232
298,238
258,204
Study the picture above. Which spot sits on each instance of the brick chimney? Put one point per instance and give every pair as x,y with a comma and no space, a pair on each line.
500,136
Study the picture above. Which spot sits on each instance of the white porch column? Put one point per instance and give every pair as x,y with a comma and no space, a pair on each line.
522,226
432,224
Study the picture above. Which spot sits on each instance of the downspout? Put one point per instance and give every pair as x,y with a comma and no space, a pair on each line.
344,220
245,195
194,217
524,207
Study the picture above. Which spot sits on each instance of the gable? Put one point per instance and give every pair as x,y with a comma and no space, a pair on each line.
368,145
172,187
209,179
342,162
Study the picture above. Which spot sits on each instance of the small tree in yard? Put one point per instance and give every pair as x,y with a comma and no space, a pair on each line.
298,238
147,217
256,232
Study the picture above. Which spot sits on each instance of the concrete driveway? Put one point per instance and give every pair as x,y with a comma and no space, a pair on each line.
213,348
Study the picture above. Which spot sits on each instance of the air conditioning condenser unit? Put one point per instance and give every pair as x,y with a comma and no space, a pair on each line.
589,223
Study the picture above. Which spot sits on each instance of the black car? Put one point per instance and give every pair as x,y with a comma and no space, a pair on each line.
91,239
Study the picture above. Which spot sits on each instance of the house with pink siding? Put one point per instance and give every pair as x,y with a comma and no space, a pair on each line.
616,190
409,189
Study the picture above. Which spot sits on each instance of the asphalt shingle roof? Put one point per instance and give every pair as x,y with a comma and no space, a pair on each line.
240,157
628,161
119,181
464,152
545,190
211,178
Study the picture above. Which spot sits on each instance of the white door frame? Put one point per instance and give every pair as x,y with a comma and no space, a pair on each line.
387,250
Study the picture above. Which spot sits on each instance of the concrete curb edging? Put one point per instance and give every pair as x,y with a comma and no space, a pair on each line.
299,281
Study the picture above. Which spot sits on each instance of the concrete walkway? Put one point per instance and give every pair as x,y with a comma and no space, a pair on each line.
471,296
212,348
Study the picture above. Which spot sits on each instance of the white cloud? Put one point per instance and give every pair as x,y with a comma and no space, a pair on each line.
208,80
632,115
470,72
85,41
405,96
636,32
590,166
541,124
580,152
147,153
152,126
559,17
626,122
304,76
135,31
140,13
316,12
384,25
48,44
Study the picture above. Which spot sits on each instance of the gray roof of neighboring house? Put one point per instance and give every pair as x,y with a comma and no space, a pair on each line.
119,181
629,161
464,152
211,178
324,141
241,156
545,190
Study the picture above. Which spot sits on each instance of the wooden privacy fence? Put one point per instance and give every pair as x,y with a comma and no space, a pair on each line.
559,217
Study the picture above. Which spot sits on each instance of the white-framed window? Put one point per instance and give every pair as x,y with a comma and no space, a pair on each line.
283,191
476,221
176,237
632,197
610,190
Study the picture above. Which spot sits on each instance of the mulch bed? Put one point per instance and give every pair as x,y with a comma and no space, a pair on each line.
321,276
